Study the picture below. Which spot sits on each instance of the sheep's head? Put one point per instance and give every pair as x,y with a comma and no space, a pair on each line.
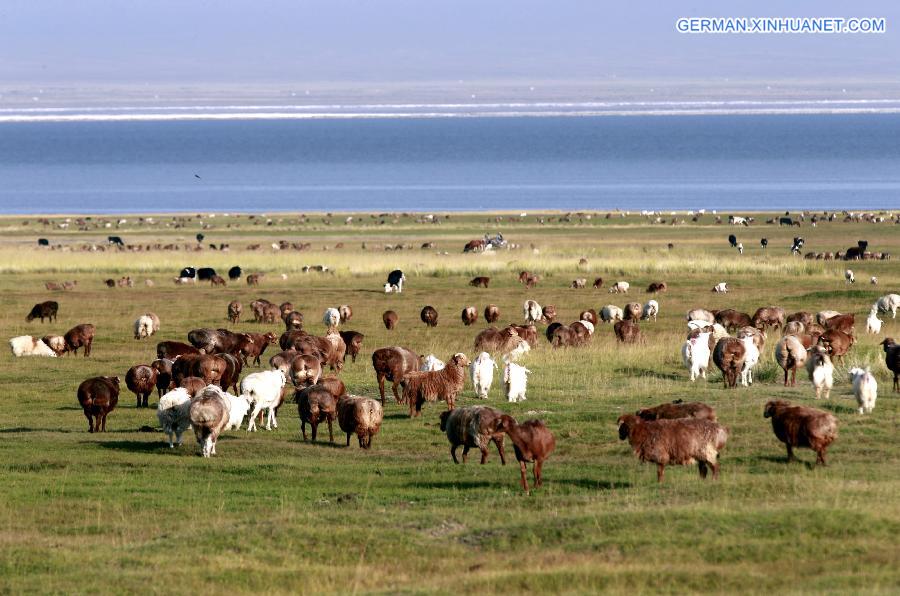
444,416
888,343
773,405
504,424
460,359
625,423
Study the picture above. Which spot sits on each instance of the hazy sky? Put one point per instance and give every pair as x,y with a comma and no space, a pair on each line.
247,41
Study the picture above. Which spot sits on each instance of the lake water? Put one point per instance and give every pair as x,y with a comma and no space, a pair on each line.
727,162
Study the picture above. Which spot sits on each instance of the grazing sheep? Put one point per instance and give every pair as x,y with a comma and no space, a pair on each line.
388,288
627,332
491,313
650,310
729,355
610,313
393,364
548,313
681,442
790,355
474,426
482,372
264,390
25,345
720,288
532,311
695,354
843,323
873,323
768,316
332,318
429,316
837,343
353,340
143,327
445,384
633,311
480,282
80,336
141,380
799,426
793,328
701,314
733,319
238,408
346,312
892,359
802,316
657,286
98,397
873,280
235,308
174,414
579,284
823,315
209,416
57,343
889,302
620,287
431,362
48,309
164,381
678,409
515,382
591,316
865,389
820,370
533,442
469,315
848,275
293,321
316,404
751,359
598,283
305,369
395,281
390,319
359,415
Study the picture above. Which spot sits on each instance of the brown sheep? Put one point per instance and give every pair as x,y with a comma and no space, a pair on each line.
842,323
445,384
590,316
548,313
529,279
728,355
678,409
491,313
837,342
561,336
495,340
360,415
657,286
57,343
194,385
164,382
173,349
393,364
305,370
282,361
800,426
480,282
345,312
286,308
235,308
353,340
681,442
526,332
790,355
183,366
316,404
269,313
582,332
232,373
793,328
598,283
217,280
390,319
429,316
78,337
253,279
627,332
533,442
141,380
768,316
333,385
47,309
892,359
293,321
209,368
633,311
209,414
469,315
257,306
732,319
801,317
98,397
255,349
475,426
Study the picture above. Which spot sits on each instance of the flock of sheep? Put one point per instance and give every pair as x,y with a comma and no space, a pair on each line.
193,379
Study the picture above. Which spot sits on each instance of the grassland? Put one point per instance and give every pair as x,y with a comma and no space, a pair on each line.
121,512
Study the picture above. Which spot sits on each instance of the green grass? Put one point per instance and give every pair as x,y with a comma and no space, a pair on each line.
121,512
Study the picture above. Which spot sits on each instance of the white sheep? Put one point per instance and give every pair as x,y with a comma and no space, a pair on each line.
532,311
432,362
520,350
143,327
848,275
263,390
620,287
890,302
238,408
332,318
873,323
651,309
821,371
865,388
751,359
695,355
515,381
388,288
610,313
482,371
25,345
721,288
587,325
740,247
174,414
873,280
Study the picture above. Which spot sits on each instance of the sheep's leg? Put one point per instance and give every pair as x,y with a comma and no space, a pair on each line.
453,453
251,425
484,455
660,472
138,396
303,428
790,451
330,434
820,456
466,453
396,394
90,421
538,477
498,441
315,429
715,470
104,422
523,469
348,439
703,470
381,388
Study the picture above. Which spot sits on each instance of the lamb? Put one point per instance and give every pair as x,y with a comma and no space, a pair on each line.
482,372
429,316
610,313
820,370
790,355
25,345
235,308
799,426
865,389
238,408
533,442
751,359
889,302
141,380
729,355
678,409
143,327
720,288
873,323
360,415
491,313
264,391
316,404
650,310
474,426
848,275
431,363
209,416
469,315
346,312
98,397
515,382
393,364
695,353
620,287
633,311
390,319
532,311
332,318
892,359
682,442
419,387
627,332
174,414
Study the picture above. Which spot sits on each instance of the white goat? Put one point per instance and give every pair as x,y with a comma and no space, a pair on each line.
751,359
25,345
174,414
515,381
143,327
865,388
482,371
873,323
848,275
532,311
721,287
695,354
332,318
620,287
263,390
431,363
238,408
651,309
821,371
890,302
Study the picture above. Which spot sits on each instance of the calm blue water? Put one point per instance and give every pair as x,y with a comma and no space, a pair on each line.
726,162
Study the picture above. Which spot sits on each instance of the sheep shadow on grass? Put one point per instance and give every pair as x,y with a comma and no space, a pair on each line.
452,484
593,483
138,446
646,372
783,460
